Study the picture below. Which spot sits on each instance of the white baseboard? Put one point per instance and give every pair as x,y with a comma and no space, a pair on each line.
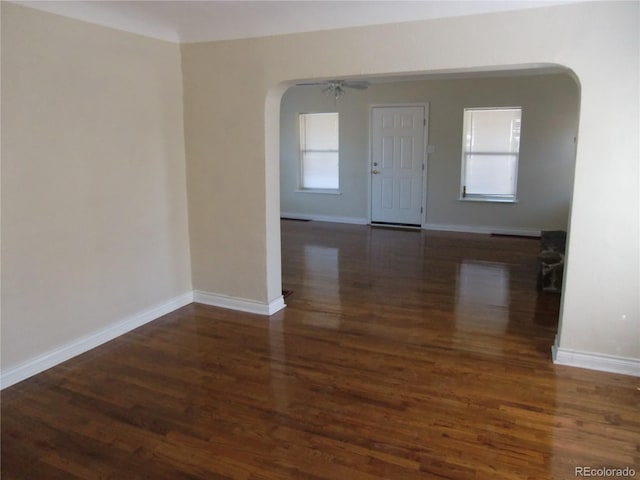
13,375
596,361
486,229
325,218
240,304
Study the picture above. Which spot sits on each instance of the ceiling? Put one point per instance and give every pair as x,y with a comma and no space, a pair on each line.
198,21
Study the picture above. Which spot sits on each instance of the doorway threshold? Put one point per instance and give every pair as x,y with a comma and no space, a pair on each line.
409,227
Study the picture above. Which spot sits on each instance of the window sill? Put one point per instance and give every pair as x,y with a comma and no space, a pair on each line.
488,200
321,191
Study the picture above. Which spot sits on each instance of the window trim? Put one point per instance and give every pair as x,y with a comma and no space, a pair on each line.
321,191
300,187
486,198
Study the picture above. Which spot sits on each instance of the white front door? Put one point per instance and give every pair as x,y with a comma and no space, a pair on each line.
397,159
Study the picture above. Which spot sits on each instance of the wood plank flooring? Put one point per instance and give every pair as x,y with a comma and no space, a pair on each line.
401,355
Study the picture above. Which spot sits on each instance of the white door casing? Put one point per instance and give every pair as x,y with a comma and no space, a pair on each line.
397,160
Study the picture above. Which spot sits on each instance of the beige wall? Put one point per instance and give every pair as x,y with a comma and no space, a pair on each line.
547,153
94,214
232,144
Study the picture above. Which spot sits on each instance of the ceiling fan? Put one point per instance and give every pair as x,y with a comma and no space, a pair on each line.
336,88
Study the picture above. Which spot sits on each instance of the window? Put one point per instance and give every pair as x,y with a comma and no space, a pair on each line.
319,157
490,150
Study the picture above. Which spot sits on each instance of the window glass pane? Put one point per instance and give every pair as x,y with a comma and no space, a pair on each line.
490,152
319,151
491,174
321,131
493,130
320,170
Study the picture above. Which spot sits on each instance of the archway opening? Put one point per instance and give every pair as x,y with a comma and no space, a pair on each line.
392,83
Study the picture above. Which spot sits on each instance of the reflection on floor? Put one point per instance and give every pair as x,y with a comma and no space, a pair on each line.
482,292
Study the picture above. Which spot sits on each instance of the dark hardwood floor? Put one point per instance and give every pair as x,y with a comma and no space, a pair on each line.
401,355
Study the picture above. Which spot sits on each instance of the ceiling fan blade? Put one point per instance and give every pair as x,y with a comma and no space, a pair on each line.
356,85
312,84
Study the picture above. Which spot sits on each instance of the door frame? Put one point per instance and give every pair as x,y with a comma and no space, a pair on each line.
425,155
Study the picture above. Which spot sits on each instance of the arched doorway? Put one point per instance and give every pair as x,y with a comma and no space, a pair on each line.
459,76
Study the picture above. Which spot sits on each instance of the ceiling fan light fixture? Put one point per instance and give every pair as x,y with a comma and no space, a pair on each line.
336,87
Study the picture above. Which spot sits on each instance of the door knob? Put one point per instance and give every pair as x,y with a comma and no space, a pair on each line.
375,172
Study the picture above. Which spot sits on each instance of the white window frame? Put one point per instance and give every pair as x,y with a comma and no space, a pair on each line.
497,198
301,157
